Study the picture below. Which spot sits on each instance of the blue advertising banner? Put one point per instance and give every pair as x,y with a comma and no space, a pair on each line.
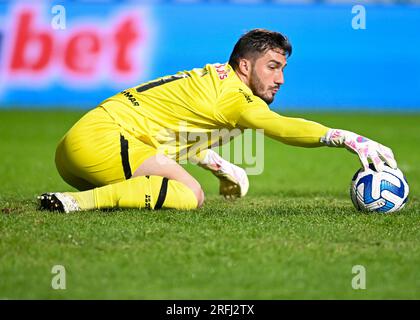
75,54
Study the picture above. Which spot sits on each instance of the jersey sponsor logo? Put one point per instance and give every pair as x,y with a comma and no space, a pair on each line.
130,97
92,49
221,70
246,95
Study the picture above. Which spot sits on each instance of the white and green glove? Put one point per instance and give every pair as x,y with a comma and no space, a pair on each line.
233,179
366,149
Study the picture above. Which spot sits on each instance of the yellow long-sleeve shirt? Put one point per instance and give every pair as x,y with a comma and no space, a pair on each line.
174,110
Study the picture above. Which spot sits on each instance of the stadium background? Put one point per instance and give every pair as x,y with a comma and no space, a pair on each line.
107,46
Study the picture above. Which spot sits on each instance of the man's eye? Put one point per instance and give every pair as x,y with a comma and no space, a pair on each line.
272,67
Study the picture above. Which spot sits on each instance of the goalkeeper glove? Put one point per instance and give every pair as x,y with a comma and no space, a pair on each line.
233,179
366,149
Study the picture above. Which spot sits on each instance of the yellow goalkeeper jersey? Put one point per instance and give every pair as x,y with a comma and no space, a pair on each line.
176,110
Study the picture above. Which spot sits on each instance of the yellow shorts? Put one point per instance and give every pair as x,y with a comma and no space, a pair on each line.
97,151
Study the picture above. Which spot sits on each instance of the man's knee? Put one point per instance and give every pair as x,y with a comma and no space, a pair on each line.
163,166
200,198
199,194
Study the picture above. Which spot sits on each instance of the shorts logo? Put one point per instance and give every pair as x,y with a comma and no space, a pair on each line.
147,201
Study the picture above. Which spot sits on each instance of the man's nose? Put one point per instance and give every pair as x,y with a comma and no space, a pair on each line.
279,79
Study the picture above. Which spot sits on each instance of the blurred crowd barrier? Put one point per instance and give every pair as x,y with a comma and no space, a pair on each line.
347,55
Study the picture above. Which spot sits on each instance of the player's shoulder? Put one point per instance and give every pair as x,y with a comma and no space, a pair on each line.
234,88
229,80
221,73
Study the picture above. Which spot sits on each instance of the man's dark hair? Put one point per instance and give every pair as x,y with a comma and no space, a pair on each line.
257,42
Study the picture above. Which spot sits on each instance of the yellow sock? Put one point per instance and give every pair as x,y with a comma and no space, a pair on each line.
152,192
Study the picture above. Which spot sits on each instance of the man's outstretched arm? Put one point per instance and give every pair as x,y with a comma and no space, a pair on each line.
304,133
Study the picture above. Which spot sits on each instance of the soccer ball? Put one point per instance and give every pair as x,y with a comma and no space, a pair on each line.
385,191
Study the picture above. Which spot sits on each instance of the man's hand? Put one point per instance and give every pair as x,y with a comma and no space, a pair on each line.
233,179
366,149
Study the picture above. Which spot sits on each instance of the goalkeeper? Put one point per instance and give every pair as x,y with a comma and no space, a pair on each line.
113,154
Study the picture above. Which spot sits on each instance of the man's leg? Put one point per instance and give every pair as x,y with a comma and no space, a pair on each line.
98,152
160,165
159,182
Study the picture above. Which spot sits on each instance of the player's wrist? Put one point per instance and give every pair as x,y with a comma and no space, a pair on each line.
336,137
233,179
210,160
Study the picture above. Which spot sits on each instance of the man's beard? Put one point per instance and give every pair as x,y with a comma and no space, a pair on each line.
258,89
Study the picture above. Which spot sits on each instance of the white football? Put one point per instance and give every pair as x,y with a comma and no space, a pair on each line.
385,191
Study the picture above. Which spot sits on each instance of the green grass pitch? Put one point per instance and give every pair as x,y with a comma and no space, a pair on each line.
294,236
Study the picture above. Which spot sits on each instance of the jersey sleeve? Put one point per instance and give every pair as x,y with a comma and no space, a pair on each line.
234,102
292,131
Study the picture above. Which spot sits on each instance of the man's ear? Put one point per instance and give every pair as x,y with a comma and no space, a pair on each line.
244,66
